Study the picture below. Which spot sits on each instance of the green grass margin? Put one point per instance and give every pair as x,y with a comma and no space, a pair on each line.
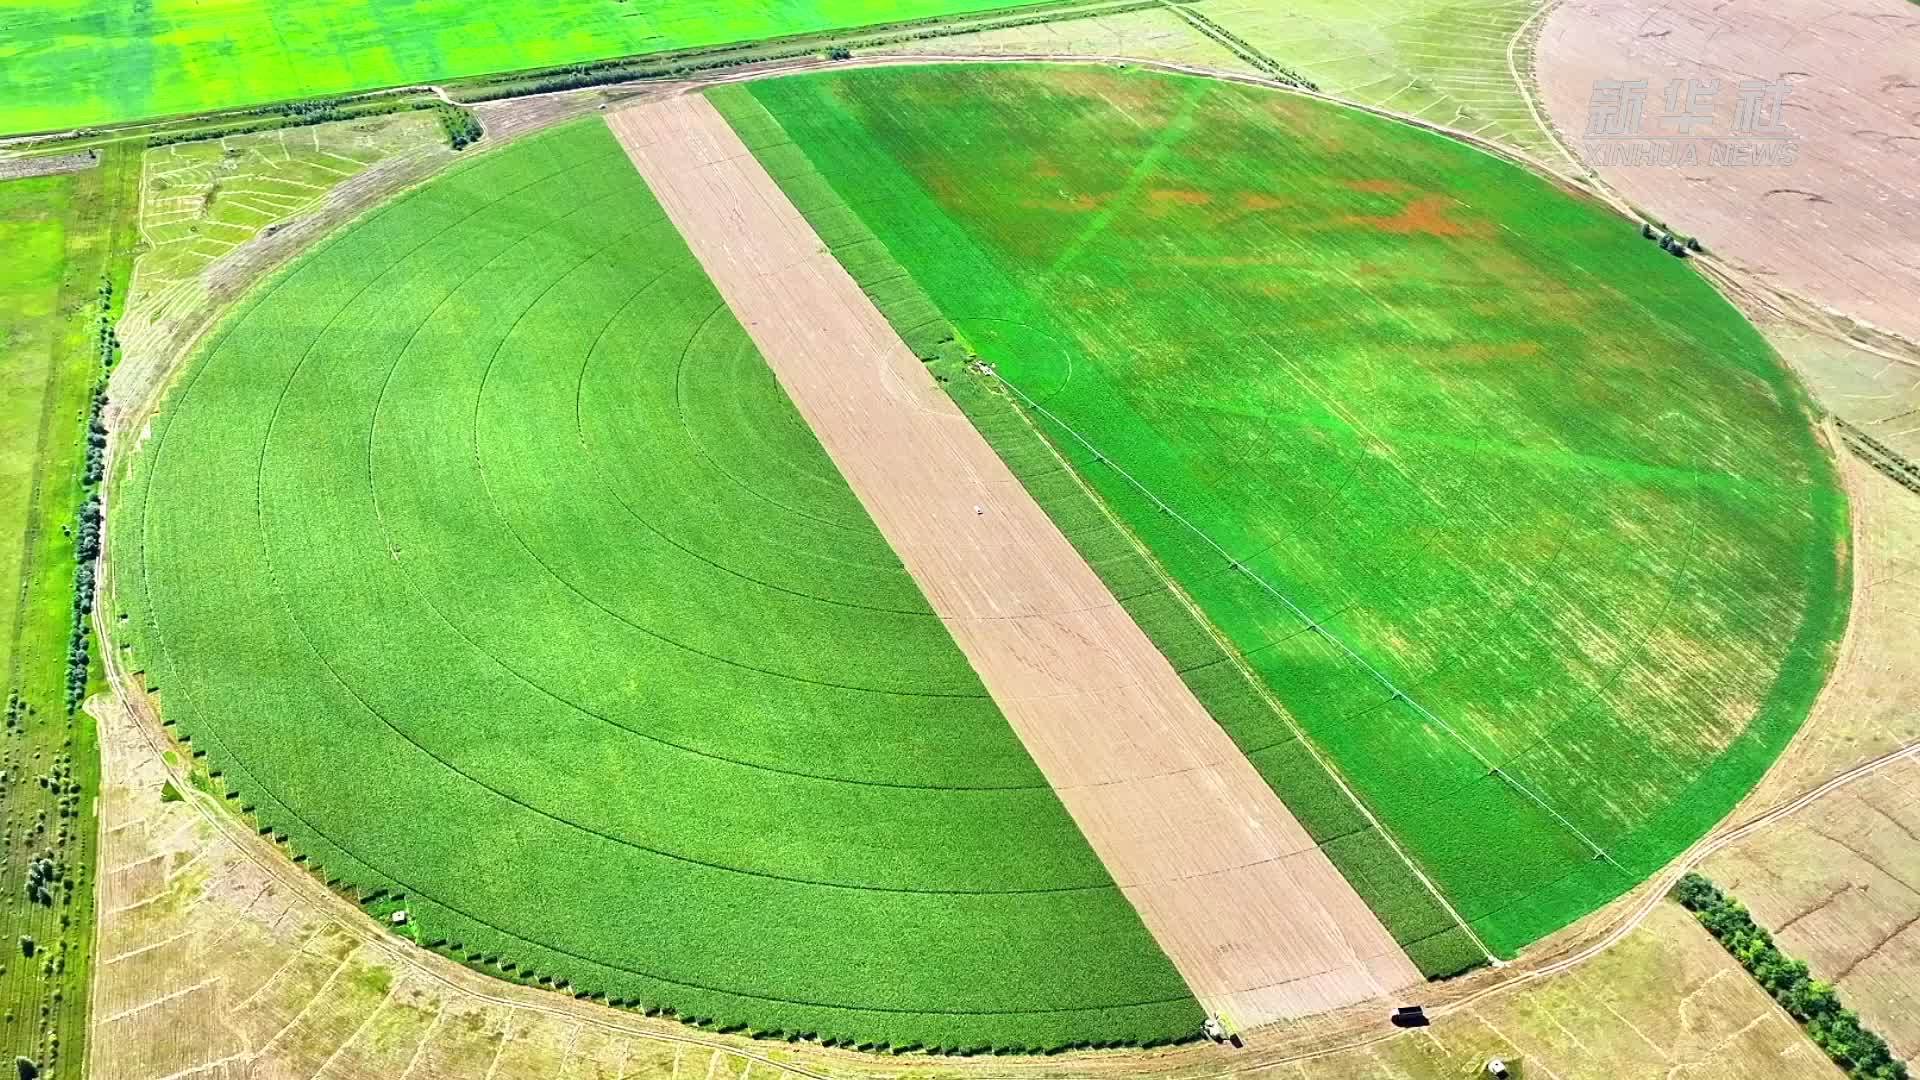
101,234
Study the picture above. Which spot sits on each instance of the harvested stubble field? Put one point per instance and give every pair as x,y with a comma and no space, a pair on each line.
1317,334
1840,223
72,63
487,564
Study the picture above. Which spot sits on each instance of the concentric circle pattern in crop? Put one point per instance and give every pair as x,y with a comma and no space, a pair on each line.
487,563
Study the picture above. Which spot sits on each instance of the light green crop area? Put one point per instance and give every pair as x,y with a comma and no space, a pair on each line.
70,63
1560,501
487,563
1441,60
200,200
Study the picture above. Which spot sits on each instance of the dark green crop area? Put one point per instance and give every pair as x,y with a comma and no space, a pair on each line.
487,563
1534,472
72,63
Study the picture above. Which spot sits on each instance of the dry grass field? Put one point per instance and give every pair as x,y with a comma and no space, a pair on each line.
1460,63
220,961
1839,885
1839,882
1147,34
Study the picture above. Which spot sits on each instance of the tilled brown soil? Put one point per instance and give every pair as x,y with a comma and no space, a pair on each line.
1253,915
1840,225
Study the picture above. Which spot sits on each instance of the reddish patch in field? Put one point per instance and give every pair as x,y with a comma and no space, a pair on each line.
1254,202
1380,186
1179,197
1426,216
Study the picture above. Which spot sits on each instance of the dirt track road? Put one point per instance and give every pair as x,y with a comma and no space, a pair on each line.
1257,920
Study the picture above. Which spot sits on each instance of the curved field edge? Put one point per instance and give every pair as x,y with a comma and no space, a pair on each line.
1100,927
896,232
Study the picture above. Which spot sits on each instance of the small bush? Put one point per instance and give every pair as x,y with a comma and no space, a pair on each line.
462,127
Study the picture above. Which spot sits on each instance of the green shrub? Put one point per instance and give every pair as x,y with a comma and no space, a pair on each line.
461,125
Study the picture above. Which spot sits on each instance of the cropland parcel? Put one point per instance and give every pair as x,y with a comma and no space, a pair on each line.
1840,224
69,63
485,560
65,249
1557,497
1248,908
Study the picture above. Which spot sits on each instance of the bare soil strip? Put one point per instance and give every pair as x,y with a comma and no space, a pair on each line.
1257,920
50,165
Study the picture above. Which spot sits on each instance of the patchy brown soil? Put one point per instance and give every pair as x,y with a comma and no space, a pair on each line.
1841,224
1377,187
1425,215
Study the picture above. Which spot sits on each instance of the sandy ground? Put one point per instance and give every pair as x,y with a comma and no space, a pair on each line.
1254,916
1841,224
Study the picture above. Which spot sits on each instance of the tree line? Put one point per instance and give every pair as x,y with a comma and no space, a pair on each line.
1832,1026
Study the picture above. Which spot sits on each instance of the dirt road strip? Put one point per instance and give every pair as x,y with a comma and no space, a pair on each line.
1257,920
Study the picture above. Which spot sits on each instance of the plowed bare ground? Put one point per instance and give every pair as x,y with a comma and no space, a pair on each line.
1841,225
1256,919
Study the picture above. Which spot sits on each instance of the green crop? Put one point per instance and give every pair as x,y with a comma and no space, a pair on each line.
484,557
72,63
1537,476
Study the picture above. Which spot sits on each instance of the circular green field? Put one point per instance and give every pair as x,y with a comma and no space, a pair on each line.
485,560
483,557
1518,520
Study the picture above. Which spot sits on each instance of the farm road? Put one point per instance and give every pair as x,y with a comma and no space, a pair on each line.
1253,915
